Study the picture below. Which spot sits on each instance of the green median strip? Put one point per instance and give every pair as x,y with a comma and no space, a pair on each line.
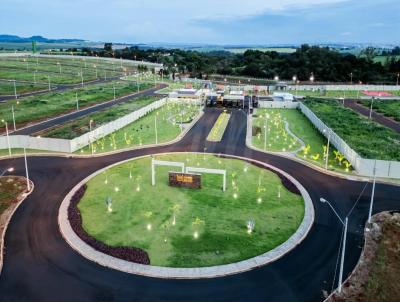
218,130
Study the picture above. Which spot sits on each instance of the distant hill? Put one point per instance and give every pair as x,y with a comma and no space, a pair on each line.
17,39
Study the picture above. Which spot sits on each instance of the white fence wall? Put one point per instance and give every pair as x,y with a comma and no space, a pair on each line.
344,87
363,166
36,143
69,146
277,104
87,138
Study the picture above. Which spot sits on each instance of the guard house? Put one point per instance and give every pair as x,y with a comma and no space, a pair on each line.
281,86
234,99
185,94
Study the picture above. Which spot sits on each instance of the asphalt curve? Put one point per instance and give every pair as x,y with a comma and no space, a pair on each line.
40,266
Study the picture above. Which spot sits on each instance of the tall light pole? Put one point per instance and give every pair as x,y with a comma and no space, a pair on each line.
48,79
398,76
90,134
155,126
114,91
8,138
15,90
370,109
295,82
77,101
351,78
82,76
9,170
344,223
371,205
13,116
28,184
327,149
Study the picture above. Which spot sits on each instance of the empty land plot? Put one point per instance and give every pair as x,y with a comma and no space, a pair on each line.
367,138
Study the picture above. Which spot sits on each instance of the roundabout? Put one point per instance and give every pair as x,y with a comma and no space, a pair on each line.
171,232
39,265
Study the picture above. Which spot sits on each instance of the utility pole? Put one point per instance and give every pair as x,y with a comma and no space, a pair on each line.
13,116
15,90
77,101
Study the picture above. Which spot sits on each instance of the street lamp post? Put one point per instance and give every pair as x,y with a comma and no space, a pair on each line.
155,126
351,78
15,90
345,224
77,101
327,149
48,79
397,82
90,133
7,170
8,137
370,109
81,77
28,184
114,91
13,116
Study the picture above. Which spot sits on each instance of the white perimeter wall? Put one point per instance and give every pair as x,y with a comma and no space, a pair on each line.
278,104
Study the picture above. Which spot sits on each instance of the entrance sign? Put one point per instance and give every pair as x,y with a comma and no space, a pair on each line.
185,180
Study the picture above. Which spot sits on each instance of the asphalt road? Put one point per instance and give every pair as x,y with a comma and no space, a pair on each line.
29,130
40,266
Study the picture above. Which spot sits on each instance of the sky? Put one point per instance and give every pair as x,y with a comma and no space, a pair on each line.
206,21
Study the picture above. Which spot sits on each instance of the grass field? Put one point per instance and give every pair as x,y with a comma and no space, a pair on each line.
181,227
367,138
315,143
7,88
389,108
218,130
142,132
36,108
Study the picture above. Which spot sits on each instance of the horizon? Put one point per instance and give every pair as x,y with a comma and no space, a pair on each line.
177,22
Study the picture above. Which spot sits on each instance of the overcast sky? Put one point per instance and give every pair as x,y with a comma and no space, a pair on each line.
205,21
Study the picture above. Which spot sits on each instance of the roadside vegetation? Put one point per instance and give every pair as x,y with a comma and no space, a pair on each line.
7,88
36,108
367,138
389,108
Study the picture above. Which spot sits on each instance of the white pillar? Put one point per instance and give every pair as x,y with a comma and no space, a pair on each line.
371,205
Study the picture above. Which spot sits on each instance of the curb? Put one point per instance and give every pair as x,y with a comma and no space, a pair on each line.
8,221
186,273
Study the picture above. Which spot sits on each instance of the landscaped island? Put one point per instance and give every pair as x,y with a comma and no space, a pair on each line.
182,227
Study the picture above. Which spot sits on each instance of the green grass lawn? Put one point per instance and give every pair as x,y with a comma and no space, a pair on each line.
80,126
389,108
302,128
218,130
142,131
7,88
277,138
36,108
4,152
367,138
143,216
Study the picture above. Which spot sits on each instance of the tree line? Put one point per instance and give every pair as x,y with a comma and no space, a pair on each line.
322,63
